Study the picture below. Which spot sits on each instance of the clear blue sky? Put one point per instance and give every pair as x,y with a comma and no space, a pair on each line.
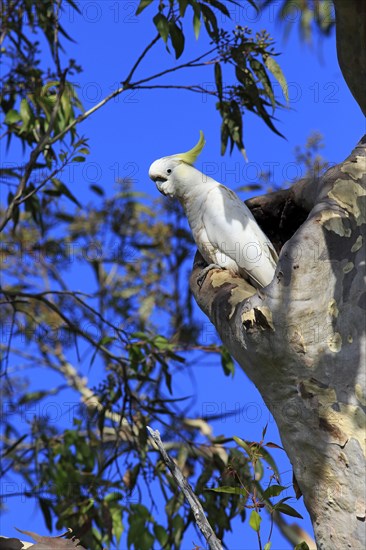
136,128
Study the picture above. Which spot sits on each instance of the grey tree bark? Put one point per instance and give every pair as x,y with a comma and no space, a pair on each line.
302,339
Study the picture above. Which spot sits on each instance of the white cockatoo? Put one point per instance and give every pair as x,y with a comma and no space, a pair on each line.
225,230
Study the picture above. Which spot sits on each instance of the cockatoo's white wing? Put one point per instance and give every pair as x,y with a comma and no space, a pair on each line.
234,237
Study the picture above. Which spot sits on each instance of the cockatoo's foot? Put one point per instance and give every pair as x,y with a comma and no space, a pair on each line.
202,276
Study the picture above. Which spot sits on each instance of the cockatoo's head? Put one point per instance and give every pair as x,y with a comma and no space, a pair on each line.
170,172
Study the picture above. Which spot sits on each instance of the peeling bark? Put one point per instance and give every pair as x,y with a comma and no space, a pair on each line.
301,340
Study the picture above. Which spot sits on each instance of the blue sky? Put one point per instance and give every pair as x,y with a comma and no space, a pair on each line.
137,127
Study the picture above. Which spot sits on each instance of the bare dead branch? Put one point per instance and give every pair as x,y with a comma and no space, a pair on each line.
196,507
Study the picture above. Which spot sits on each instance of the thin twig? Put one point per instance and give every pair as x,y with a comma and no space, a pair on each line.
194,88
193,63
85,115
82,117
148,47
43,183
196,507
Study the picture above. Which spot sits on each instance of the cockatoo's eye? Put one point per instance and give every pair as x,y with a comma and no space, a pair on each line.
169,171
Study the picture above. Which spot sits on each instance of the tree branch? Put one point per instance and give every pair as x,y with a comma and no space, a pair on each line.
300,340
351,50
193,88
132,71
194,503
84,116
189,64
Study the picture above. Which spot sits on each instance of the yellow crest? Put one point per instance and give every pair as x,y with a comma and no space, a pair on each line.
190,156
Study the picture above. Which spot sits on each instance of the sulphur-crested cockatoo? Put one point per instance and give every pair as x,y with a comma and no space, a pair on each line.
225,230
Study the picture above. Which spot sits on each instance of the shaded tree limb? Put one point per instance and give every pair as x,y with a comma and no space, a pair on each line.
351,46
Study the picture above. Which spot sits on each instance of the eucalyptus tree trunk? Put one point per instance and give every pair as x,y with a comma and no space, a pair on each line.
302,339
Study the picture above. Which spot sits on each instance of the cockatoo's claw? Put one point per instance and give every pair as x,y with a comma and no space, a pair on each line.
202,276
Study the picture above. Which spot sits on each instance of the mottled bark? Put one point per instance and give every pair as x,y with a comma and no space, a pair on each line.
301,340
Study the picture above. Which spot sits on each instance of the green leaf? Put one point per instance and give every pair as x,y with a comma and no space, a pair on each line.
302,546
264,431
140,335
268,458
146,307
273,445
141,511
218,79
225,134
196,24
142,5
174,504
45,507
35,396
177,38
12,117
255,521
66,191
74,5
251,2
258,470
260,72
178,527
161,535
162,343
26,115
276,70
106,340
182,7
226,362
97,189
61,187
243,444
273,491
116,515
219,6
229,490
78,159
286,509
146,541
210,21
162,25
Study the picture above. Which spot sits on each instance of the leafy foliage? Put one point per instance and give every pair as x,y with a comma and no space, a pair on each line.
249,489
251,58
253,91
88,475
310,15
